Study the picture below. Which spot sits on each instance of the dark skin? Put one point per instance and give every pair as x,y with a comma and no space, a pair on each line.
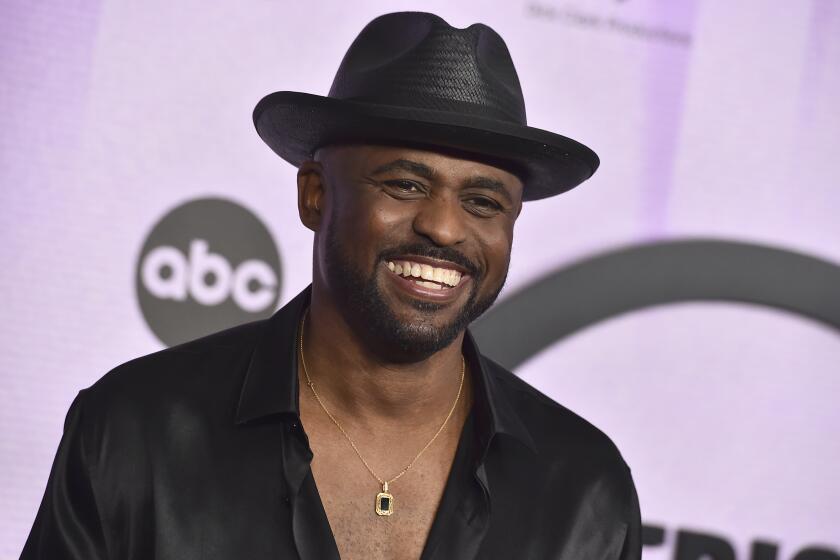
391,401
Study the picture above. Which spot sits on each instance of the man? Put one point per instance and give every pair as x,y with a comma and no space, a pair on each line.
361,420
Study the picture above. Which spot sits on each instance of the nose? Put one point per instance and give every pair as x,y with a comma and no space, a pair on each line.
441,220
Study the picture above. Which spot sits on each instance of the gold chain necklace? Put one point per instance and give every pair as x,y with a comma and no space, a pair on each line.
384,503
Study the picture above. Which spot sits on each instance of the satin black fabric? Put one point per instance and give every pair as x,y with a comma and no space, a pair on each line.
197,452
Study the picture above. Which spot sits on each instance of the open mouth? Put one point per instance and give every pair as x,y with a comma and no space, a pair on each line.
425,275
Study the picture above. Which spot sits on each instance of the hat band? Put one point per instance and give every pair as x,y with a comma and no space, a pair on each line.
447,105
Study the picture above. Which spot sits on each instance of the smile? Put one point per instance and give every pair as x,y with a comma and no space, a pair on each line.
432,277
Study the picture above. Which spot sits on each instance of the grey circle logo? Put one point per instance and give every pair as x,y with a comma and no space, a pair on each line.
207,265
603,286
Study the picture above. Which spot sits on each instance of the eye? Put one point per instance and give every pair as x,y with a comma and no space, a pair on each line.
403,187
483,206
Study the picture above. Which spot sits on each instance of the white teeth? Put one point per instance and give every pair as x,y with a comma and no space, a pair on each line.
431,285
437,275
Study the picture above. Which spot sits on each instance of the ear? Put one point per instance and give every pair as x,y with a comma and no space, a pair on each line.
311,194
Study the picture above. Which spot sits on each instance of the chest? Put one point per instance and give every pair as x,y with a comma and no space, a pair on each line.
348,493
360,533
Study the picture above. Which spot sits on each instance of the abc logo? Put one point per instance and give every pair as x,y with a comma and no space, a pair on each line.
207,265
208,278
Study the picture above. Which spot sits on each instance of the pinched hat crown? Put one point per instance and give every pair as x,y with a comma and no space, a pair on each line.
411,77
419,60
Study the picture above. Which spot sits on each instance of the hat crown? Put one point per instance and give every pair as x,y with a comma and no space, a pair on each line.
416,59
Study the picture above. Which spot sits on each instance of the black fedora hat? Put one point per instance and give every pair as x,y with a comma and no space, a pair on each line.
411,77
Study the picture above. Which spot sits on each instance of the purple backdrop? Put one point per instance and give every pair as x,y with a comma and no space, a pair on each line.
713,119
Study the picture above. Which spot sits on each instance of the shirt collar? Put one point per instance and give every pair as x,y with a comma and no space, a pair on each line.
271,381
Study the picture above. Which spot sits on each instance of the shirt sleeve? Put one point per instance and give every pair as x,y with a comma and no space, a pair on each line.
68,524
632,549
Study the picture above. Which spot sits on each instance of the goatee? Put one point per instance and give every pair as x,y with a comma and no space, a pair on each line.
363,304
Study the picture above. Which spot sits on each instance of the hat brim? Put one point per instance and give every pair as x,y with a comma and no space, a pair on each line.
295,124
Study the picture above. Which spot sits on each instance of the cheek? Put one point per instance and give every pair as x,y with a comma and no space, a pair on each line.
386,220
383,219
368,225
391,213
496,244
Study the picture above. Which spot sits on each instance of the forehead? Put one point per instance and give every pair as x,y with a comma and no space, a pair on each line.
435,163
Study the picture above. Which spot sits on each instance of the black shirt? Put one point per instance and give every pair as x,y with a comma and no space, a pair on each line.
197,452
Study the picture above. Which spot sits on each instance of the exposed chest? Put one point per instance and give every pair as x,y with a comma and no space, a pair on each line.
348,493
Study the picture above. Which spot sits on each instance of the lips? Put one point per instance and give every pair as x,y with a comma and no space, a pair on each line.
425,278
424,274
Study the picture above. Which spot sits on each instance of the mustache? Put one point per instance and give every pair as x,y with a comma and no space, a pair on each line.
433,252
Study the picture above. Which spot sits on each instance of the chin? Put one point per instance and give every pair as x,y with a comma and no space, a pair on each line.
394,325
411,330
415,342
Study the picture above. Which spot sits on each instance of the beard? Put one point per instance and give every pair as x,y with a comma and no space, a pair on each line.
363,304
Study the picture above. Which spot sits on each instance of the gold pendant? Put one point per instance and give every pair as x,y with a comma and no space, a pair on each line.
384,501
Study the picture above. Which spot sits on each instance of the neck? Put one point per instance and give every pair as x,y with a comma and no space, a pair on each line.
358,382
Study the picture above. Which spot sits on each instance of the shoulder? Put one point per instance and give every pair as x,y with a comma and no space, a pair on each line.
573,462
558,433
572,459
202,373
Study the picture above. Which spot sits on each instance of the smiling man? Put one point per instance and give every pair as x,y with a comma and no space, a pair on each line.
414,244
361,420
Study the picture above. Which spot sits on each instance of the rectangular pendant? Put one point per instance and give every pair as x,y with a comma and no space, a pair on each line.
384,504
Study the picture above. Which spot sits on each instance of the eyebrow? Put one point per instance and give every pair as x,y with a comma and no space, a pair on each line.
406,165
491,185
422,170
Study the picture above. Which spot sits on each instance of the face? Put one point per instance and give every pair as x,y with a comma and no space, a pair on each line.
411,245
